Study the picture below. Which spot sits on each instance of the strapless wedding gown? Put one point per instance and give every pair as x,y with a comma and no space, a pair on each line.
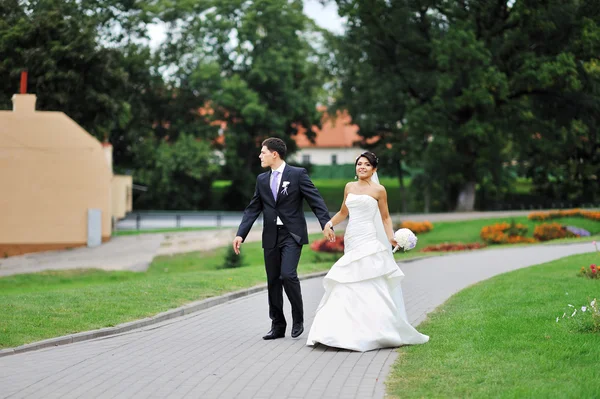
363,308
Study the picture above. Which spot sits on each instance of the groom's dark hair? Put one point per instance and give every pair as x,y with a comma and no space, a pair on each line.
274,144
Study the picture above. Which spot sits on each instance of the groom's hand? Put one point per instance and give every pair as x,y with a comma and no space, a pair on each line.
237,241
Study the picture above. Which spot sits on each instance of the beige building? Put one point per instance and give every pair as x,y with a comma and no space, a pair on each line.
51,173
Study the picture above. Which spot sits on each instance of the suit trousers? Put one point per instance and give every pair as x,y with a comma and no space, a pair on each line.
281,264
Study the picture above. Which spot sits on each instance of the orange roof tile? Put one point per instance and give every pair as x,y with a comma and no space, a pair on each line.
335,133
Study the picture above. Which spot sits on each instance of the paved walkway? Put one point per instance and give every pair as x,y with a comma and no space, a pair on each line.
219,353
136,252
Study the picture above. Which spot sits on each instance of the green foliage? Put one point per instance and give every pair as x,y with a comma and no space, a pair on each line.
461,89
232,260
253,61
178,174
69,70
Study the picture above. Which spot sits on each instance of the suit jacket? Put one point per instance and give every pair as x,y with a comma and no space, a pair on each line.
288,206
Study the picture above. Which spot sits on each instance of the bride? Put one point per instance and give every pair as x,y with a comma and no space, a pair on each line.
363,308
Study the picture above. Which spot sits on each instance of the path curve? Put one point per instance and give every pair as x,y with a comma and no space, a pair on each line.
219,353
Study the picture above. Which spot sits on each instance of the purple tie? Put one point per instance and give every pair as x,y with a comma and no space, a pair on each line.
274,184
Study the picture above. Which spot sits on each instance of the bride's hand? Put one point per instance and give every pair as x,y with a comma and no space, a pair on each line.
329,234
393,242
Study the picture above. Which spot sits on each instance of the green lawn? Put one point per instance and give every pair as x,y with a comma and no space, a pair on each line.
55,303
500,339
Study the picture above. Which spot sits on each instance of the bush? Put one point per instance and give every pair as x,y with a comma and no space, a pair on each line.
324,245
415,227
582,319
592,215
232,260
449,247
505,233
551,231
592,272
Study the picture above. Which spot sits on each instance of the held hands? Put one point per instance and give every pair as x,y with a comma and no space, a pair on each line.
237,241
328,233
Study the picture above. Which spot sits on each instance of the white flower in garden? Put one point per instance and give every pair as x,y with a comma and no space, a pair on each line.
557,319
583,308
574,313
571,306
593,303
564,314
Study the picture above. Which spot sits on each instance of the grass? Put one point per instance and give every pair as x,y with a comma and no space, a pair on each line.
499,338
166,230
55,303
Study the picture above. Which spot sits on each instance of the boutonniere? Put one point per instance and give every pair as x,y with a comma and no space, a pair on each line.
284,187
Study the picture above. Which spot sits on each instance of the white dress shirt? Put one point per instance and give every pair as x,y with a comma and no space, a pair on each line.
280,170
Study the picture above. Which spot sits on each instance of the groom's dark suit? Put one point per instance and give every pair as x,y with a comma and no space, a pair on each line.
282,244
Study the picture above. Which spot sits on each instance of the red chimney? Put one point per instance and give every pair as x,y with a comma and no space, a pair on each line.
23,82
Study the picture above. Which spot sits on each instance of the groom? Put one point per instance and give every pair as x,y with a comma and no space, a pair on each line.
278,195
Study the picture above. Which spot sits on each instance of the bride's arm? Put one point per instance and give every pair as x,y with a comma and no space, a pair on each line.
343,213
385,214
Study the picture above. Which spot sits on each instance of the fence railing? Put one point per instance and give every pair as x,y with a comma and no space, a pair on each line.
181,219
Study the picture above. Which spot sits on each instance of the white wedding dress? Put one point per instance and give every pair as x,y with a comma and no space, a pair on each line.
363,308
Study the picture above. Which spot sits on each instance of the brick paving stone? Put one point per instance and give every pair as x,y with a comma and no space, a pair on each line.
219,353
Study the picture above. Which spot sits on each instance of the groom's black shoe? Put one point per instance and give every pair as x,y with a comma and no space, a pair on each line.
274,334
297,329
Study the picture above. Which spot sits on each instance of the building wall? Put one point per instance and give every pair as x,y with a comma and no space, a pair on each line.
121,192
51,172
323,156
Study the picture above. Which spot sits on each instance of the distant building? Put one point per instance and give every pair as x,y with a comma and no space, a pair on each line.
335,143
51,173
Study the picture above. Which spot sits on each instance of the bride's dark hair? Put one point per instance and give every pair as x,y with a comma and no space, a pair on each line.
373,160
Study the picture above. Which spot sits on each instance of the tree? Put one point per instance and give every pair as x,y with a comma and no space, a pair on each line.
179,174
253,62
465,81
68,68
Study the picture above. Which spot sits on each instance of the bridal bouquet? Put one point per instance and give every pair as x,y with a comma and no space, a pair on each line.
406,240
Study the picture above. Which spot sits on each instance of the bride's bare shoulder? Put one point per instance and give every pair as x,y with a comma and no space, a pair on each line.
379,189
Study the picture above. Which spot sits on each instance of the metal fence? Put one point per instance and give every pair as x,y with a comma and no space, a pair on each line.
179,220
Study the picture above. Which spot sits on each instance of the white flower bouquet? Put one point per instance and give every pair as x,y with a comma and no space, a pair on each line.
406,240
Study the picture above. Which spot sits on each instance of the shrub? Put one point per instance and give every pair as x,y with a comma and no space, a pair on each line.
551,231
232,260
324,245
592,272
505,233
582,319
578,231
592,215
450,247
415,227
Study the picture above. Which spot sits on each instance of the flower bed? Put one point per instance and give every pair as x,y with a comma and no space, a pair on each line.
324,245
505,233
592,272
450,247
551,231
415,227
592,215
